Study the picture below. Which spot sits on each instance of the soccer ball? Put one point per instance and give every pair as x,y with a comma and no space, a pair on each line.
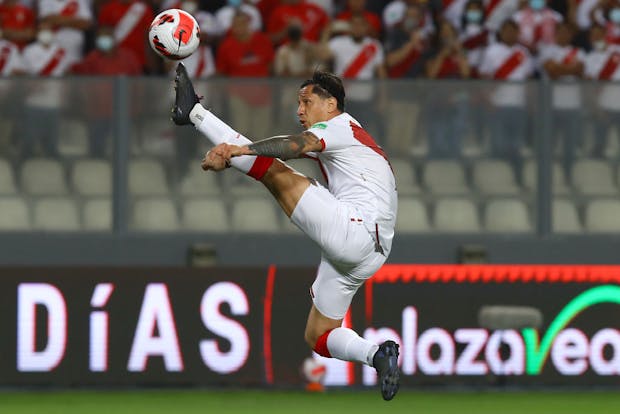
174,34
313,370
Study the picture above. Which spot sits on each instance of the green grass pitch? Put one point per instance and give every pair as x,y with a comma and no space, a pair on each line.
332,401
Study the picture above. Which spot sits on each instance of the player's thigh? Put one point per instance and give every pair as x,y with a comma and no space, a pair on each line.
335,226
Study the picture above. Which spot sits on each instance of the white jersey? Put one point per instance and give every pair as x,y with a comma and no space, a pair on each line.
605,65
10,58
537,28
359,61
453,11
565,96
51,61
71,39
395,11
584,10
498,11
357,170
512,63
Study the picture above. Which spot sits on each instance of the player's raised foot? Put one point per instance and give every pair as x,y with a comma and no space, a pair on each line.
385,362
185,98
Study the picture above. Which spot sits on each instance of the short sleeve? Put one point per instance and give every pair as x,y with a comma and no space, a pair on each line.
331,135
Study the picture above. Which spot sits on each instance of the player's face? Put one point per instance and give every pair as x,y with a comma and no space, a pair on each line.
312,108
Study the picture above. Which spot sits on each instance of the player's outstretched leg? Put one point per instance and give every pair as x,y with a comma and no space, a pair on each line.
187,110
385,362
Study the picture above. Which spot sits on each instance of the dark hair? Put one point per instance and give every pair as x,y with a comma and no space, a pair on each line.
327,85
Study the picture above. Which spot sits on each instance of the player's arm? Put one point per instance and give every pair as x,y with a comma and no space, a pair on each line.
284,147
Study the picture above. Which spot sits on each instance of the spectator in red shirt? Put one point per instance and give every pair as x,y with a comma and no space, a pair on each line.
108,59
359,7
311,17
131,20
245,53
17,23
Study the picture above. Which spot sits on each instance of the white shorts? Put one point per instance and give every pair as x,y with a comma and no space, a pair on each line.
349,250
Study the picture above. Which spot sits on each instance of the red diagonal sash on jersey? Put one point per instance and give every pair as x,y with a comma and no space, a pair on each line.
609,68
55,59
70,9
128,22
491,6
363,137
509,65
401,69
364,56
476,41
570,56
5,54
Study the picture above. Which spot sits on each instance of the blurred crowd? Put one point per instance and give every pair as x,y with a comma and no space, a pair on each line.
513,40
357,39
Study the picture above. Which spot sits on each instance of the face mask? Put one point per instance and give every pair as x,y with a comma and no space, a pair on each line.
537,4
45,36
105,43
235,3
473,16
615,15
599,45
189,6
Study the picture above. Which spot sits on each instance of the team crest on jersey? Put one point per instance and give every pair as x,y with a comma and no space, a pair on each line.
319,125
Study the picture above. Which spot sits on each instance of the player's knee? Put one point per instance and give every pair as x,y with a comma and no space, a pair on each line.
310,338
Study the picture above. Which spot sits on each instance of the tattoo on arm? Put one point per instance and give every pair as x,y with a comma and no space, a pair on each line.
286,147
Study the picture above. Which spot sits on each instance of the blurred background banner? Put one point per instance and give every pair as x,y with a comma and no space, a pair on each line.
457,324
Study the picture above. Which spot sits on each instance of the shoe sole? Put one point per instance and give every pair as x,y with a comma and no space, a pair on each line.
390,380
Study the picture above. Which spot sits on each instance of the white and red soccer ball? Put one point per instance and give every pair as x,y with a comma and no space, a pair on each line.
174,34
313,370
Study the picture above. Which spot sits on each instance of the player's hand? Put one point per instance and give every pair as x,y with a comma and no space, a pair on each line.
228,151
214,161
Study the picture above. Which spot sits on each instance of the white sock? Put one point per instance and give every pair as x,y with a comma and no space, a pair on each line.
345,344
218,132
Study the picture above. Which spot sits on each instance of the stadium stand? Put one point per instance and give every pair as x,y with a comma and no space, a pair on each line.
97,214
206,214
456,215
147,177
43,177
507,215
15,214
56,213
413,216
91,177
154,214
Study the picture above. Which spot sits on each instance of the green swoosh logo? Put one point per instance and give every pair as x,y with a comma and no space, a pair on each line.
537,354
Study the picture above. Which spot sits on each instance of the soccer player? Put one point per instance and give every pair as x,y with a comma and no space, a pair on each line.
352,221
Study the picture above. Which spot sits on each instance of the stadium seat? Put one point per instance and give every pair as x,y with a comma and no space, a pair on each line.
92,177
507,215
254,214
406,182
445,177
456,215
72,138
199,183
15,214
494,177
565,218
147,178
594,178
603,216
56,214
7,178
558,178
412,216
43,177
154,214
208,215
97,214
